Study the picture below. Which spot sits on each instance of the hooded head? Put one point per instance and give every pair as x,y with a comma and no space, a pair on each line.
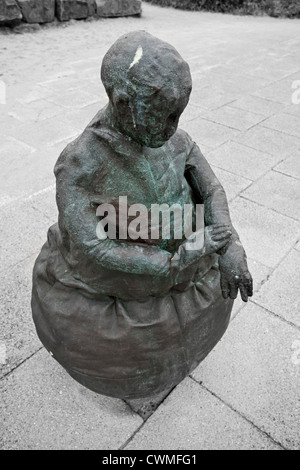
148,85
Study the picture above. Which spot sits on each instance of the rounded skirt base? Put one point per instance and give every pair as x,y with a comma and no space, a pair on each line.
128,348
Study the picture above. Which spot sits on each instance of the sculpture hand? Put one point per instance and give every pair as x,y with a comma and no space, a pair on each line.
216,237
235,275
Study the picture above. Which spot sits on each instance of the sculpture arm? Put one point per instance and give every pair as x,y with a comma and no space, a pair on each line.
78,221
208,190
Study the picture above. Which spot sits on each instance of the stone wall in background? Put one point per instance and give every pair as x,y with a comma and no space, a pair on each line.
44,11
108,8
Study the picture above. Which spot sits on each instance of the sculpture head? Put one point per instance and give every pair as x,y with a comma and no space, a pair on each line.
148,85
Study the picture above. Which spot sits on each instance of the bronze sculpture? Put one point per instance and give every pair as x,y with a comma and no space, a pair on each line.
129,317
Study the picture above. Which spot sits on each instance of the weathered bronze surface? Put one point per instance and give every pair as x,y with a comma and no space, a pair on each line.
131,318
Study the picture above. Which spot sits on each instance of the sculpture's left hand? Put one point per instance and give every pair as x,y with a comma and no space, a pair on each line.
235,275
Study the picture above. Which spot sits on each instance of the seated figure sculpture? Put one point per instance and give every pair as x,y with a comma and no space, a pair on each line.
130,318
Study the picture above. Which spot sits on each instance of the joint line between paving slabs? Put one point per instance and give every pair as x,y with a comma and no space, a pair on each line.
273,168
270,208
240,414
144,419
265,151
275,315
272,270
20,363
22,260
234,174
132,436
285,174
26,198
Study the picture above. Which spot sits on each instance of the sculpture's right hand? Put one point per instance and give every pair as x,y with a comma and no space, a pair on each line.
216,237
186,259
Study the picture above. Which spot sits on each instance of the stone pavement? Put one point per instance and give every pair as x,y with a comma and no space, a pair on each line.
245,395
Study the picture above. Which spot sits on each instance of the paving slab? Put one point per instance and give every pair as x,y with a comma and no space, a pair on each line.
22,232
191,112
290,166
241,83
293,109
24,177
233,184
212,97
245,162
234,117
76,99
60,84
260,273
271,71
146,407
284,122
281,293
208,133
80,118
191,418
13,150
266,235
264,62
258,105
280,91
208,72
44,133
15,155
252,369
90,71
42,408
290,59
38,110
45,203
270,141
278,192
34,93
8,121
17,331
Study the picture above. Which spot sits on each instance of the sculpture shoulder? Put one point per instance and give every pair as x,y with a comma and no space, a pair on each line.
81,157
182,141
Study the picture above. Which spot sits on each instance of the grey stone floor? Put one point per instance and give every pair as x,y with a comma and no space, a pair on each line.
246,394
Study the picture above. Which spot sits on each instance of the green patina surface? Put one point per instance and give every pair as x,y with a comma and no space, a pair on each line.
131,318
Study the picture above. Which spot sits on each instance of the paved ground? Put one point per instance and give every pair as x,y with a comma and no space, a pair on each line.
245,395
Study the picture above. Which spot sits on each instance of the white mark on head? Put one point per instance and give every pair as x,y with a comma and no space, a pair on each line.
137,57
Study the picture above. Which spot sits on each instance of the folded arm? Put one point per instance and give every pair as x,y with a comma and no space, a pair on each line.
77,219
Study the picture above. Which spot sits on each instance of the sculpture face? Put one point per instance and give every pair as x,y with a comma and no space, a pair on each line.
148,84
151,120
